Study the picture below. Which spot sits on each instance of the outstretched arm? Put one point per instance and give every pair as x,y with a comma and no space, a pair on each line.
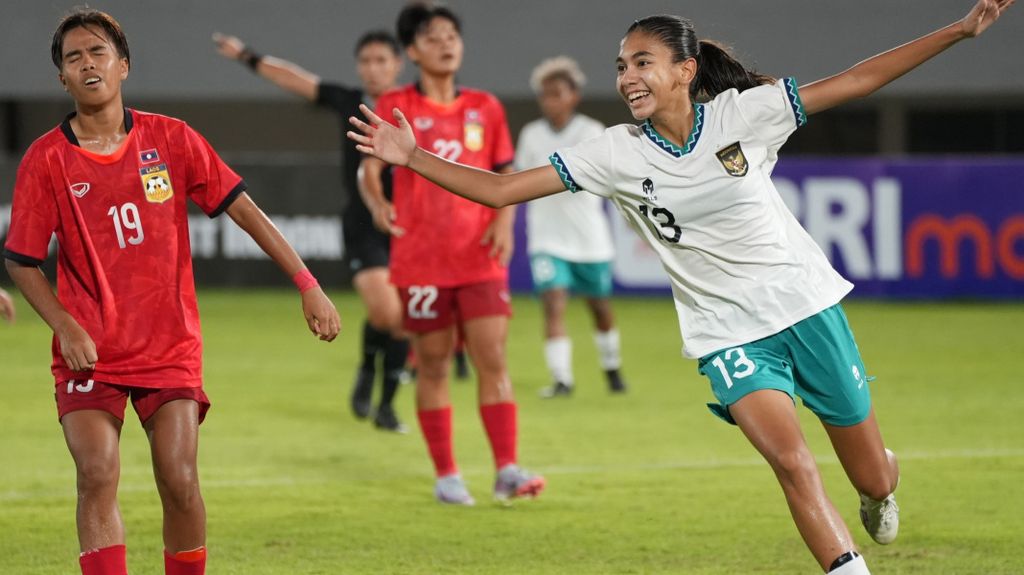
284,74
321,316
397,145
877,71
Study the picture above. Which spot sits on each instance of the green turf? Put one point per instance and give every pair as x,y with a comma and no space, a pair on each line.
646,483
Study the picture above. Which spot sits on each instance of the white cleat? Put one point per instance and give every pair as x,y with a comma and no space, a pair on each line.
451,489
881,519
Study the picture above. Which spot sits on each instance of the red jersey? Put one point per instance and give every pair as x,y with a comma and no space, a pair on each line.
441,245
124,265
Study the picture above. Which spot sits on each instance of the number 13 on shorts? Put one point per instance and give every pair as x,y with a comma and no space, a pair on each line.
734,364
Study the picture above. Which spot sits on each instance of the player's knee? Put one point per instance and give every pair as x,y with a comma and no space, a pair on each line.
384,318
431,369
97,475
179,487
796,467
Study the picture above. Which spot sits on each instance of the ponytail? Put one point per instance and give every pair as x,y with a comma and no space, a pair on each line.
718,71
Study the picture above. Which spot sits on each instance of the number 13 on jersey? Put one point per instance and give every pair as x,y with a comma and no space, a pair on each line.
739,366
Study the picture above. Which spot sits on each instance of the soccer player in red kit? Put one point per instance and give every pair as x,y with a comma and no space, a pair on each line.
112,184
449,256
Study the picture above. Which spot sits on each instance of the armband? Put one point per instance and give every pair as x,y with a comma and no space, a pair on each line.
304,280
250,58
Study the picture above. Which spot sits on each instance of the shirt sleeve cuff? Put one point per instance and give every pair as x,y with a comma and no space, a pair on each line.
563,173
230,198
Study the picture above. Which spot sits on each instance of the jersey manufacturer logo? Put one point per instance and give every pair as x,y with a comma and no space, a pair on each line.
156,182
733,160
423,123
149,156
80,189
649,195
474,131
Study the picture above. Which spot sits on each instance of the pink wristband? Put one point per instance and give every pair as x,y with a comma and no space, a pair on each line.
304,280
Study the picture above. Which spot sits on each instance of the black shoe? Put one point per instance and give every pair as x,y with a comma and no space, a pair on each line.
615,382
557,389
386,420
362,393
461,366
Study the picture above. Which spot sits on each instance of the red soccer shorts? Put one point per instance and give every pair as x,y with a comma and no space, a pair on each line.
430,308
79,394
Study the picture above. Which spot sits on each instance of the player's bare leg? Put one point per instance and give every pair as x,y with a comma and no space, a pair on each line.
557,345
554,302
607,339
383,306
485,342
433,357
601,310
768,418
874,473
173,433
93,438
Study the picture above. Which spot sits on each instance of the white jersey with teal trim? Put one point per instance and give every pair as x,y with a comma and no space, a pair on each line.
741,266
573,228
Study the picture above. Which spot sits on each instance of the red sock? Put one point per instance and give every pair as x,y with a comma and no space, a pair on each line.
185,562
500,423
437,431
106,561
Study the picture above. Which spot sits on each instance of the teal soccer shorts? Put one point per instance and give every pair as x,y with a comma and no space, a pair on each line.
592,279
816,359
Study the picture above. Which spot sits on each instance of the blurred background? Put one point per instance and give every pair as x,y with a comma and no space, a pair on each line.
913,192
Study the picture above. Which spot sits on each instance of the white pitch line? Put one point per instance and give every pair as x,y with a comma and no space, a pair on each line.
286,481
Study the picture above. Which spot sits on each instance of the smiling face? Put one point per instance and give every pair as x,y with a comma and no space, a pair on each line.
437,49
91,69
648,80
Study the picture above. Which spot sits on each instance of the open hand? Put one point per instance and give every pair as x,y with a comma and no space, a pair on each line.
983,15
229,46
394,145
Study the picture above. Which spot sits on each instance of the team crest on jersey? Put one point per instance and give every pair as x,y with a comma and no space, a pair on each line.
80,189
156,182
474,131
733,160
649,195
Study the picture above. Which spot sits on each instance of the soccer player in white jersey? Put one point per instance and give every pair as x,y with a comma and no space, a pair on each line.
568,239
756,298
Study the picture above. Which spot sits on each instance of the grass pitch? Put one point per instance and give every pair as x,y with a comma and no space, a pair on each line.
645,483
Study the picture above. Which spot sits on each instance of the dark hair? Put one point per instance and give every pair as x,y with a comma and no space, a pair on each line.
415,17
717,69
378,37
83,17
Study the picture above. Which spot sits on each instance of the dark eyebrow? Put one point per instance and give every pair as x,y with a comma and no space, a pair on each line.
634,56
93,48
